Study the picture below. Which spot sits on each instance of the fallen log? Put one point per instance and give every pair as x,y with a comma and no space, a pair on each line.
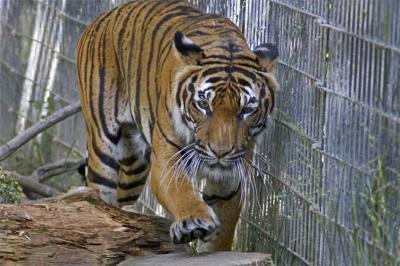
78,229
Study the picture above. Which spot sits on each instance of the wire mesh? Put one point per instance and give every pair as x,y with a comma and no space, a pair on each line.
331,151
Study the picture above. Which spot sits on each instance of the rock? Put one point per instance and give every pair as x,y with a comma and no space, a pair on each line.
202,259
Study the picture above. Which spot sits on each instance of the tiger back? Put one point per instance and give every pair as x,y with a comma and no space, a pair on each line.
168,90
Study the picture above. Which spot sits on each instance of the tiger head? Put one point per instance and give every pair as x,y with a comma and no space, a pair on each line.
223,97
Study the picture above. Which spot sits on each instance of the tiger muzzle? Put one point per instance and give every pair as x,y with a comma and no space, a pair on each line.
220,152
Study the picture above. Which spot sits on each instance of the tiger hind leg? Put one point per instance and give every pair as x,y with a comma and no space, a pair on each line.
104,104
134,160
102,172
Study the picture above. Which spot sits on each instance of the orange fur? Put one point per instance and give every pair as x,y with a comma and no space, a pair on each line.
141,70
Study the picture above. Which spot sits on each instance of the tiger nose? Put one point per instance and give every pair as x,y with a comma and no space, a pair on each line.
219,151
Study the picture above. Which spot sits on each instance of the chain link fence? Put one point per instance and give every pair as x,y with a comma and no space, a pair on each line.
330,189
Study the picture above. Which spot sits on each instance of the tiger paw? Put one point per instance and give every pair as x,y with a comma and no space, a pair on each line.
191,228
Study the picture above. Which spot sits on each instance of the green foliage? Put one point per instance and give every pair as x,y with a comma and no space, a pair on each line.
382,248
195,245
10,190
48,104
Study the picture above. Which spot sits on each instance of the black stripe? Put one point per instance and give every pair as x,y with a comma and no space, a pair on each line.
124,28
129,198
215,26
254,67
245,57
98,23
158,60
260,123
214,62
180,85
190,18
262,92
188,15
196,33
230,31
178,91
237,57
114,138
149,62
214,70
127,186
243,71
90,97
170,142
129,160
136,171
218,56
215,80
231,48
139,68
158,125
130,58
211,199
117,16
244,82
266,109
193,21
116,102
204,44
133,158
227,64
104,158
169,112
97,179
186,118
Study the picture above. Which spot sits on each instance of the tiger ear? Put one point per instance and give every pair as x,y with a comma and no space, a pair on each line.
267,55
188,51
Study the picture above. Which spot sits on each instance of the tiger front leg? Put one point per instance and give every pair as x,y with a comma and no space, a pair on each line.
226,204
193,218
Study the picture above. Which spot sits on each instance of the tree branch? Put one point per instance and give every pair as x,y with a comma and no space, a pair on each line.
34,186
10,147
61,167
32,183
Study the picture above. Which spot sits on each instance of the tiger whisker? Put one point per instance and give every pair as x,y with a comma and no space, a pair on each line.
242,182
193,172
262,156
194,166
248,178
262,173
173,156
174,167
177,153
180,166
183,167
254,187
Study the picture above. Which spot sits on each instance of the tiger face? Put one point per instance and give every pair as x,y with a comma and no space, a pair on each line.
223,103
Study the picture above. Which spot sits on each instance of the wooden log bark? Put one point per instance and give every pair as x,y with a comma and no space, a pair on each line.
78,229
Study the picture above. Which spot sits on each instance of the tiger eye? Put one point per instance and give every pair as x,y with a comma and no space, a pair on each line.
202,104
247,110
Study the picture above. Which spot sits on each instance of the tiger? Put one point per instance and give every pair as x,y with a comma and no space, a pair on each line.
174,94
